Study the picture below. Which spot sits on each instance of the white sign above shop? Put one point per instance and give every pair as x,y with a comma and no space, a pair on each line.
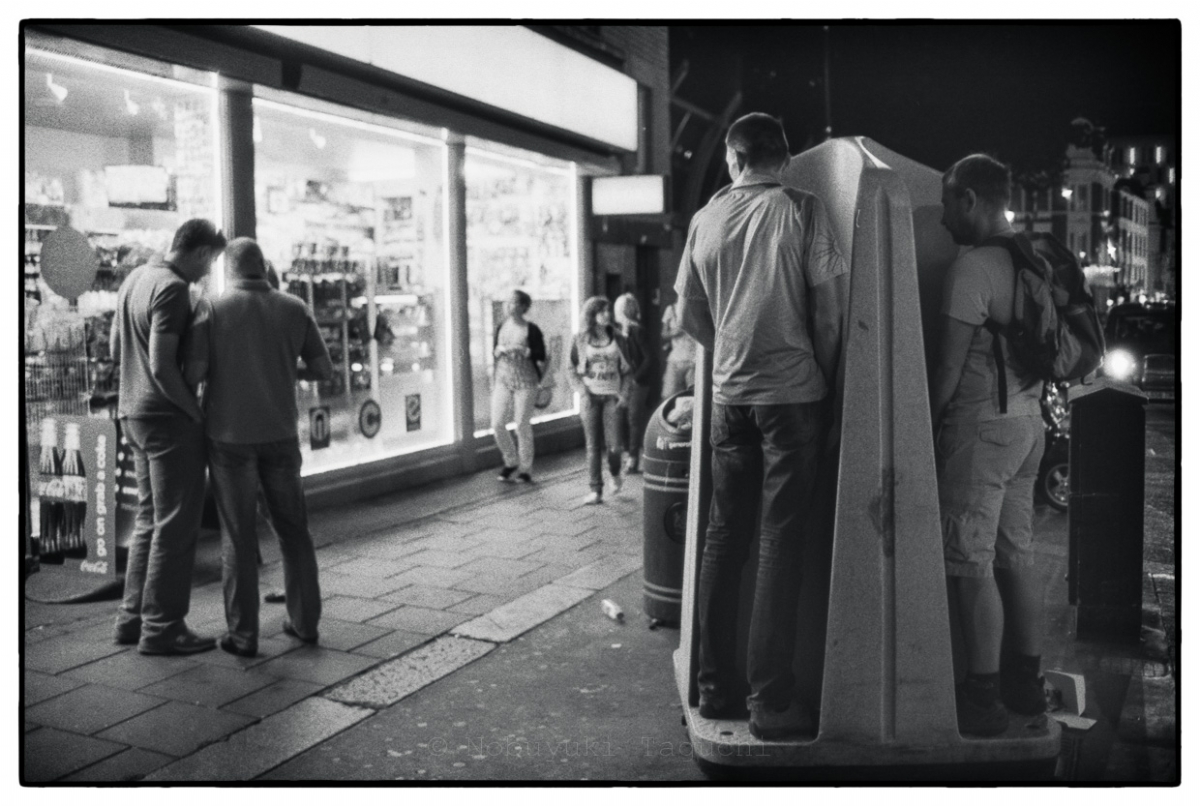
506,66
629,195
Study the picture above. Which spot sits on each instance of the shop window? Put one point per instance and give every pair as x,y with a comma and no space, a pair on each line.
521,234
123,157
351,212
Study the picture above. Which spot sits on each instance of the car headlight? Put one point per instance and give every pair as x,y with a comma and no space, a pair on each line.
1120,364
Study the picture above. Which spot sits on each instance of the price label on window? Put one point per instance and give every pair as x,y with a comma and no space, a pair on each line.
412,413
370,418
318,427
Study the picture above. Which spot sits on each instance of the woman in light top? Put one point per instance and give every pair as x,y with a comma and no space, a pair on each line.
680,372
629,319
601,373
520,353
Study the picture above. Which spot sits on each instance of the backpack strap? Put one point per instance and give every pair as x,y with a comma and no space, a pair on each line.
1008,243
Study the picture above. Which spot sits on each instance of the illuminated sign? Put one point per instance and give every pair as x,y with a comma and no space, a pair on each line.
626,195
506,66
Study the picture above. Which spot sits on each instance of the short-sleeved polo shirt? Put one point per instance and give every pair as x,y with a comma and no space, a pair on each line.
978,287
753,255
250,338
153,299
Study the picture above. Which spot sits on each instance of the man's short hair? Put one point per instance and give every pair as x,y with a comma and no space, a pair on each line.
759,138
195,234
245,258
990,178
523,298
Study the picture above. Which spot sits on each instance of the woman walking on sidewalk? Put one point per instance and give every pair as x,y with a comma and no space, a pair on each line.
629,319
601,376
520,352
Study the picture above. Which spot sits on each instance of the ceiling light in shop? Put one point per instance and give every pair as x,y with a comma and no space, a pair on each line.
318,139
131,105
60,92
257,130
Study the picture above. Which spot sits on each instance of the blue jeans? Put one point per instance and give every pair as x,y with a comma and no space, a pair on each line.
168,457
237,473
766,454
601,429
635,419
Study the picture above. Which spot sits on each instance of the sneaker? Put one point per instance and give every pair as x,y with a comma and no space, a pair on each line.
1022,689
290,630
525,478
614,485
506,473
128,634
231,646
592,498
275,597
975,719
186,643
767,724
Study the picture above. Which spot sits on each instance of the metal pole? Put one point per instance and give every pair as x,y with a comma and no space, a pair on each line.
828,103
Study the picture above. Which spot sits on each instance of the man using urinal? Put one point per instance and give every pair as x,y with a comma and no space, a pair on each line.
989,446
763,287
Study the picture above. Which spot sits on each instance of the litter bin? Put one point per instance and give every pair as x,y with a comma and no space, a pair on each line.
1107,505
666,460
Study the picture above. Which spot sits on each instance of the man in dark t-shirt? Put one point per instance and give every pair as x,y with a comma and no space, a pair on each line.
244,346
162,423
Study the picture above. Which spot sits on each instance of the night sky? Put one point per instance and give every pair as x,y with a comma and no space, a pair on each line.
937,91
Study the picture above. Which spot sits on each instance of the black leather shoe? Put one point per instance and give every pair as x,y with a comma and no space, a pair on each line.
290,630
186,643
128,635
716,707
229,645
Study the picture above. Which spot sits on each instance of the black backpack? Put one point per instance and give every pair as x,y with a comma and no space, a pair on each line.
1055,332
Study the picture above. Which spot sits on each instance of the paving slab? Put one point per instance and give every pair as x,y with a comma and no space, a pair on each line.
263,746
523,614
38,687
125,766
132,670
176,728
67,651
478,605
427,596
211,686
346,635
420,619
317,664
506,588
50,754
440,559
90,709
394,643
273,698
351,608
509,550
338,584
271,644
374,567
452,542
547,574
499,568
431,575
396,679
602,573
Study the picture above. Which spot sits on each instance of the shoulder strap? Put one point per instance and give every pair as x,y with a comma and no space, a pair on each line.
1008,243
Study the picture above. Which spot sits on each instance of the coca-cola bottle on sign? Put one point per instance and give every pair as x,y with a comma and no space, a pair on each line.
50,495
75,492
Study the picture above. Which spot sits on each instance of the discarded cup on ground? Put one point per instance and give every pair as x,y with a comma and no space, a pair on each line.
613,610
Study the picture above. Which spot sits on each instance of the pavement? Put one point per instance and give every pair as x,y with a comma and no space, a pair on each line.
463,640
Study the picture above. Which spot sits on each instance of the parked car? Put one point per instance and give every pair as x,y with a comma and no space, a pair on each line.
1054,474
1142,343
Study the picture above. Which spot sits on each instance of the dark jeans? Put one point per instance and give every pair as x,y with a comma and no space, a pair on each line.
168,456
601,430
767,453
237,473
635,420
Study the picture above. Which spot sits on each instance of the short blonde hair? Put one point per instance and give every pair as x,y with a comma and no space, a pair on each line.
627,309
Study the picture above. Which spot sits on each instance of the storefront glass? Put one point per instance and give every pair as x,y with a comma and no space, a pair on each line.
351,214
520,234
123,157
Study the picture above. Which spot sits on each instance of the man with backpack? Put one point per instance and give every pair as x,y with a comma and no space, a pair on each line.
989,439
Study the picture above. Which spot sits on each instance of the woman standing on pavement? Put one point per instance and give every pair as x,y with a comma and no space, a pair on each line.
680,372
601,372
520,352
629,319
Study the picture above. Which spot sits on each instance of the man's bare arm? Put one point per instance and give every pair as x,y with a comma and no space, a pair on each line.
831,301
164,367
952,357
695,319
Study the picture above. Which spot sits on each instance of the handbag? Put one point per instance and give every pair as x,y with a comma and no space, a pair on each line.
545,394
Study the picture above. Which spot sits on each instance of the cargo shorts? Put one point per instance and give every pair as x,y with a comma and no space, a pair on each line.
986,476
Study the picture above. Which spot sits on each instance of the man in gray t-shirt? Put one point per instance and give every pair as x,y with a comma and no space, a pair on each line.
162,423
244,346
763,287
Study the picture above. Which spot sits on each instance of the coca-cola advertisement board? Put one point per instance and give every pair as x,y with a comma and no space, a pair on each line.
76,482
